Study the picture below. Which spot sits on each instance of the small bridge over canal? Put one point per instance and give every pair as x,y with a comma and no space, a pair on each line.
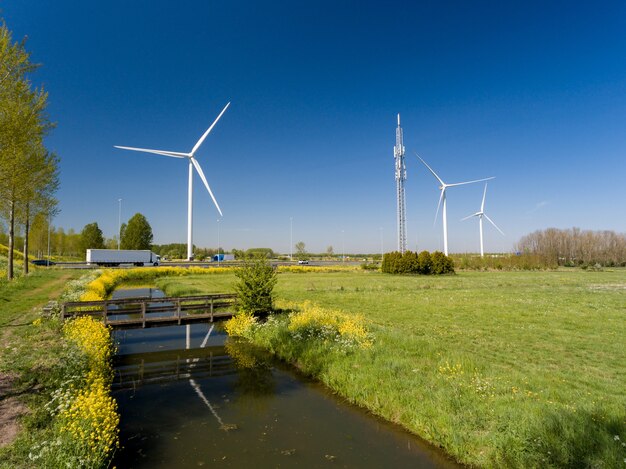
132,313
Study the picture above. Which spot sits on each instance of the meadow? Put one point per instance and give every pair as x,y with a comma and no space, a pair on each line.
514,369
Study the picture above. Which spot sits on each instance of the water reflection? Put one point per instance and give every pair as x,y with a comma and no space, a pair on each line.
189,397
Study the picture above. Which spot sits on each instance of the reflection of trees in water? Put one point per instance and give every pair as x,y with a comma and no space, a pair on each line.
254,371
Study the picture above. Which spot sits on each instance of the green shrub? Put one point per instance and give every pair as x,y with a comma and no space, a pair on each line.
424,263
441,264
409,263
412,263
256,284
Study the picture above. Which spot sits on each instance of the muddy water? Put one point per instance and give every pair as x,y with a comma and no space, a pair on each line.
188,397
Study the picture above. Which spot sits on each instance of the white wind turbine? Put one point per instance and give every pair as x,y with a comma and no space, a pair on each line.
480,216
443,188
192,163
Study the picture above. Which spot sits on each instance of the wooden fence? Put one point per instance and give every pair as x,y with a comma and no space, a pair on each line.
130,313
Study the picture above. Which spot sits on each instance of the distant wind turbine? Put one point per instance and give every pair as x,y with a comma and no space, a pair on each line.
480,216
192,164
442,197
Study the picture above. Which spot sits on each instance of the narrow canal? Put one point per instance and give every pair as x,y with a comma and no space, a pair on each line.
190,397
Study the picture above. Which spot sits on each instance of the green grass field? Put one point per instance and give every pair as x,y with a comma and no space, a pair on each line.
514,369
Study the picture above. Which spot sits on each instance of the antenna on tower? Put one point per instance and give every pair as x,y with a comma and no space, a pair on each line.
398,153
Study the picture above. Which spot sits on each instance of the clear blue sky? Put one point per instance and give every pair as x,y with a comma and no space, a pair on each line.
533,93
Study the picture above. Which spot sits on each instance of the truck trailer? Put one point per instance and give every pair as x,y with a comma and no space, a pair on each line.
115,257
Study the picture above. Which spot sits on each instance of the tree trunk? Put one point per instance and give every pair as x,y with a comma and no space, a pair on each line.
11,239
26,229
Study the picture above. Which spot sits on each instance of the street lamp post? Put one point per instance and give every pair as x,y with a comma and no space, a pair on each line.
218,242
343,246
119,223
291,238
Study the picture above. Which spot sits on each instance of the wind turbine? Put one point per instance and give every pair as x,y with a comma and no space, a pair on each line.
193,163
443,188
480,216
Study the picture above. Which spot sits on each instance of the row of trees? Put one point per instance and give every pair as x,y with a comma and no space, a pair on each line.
574,246
179,251
29,171
63,242
136,234
423,263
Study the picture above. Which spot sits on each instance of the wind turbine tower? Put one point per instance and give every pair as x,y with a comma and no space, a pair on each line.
398,153
193,163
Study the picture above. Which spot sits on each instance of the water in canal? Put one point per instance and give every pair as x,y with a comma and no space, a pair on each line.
190,397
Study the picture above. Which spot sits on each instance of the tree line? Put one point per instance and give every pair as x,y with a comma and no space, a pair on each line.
135,234
28,170
574,247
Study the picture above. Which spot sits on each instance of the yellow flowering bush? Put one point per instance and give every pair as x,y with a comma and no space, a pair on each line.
94,340
240,325
92,420
102,286
87,418
312,321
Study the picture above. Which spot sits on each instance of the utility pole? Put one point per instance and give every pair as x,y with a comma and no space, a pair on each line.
398,153
119,223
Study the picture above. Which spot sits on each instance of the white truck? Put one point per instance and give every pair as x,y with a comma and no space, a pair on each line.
114,257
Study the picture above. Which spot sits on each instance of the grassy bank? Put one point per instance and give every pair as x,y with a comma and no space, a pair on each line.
516,369
57,376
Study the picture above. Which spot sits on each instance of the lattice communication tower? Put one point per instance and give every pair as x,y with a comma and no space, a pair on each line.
398,153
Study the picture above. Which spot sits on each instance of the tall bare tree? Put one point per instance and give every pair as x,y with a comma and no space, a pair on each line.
576,247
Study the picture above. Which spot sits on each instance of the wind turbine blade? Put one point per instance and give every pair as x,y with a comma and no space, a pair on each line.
208,131
173,154
206,184
443,190
431,170
482,206
470,216
496,226
470,182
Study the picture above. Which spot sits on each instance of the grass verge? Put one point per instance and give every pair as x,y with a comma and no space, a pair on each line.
59,373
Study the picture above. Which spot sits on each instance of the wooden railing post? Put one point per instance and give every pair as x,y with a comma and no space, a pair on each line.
211,309
105,312
178,310
143,313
